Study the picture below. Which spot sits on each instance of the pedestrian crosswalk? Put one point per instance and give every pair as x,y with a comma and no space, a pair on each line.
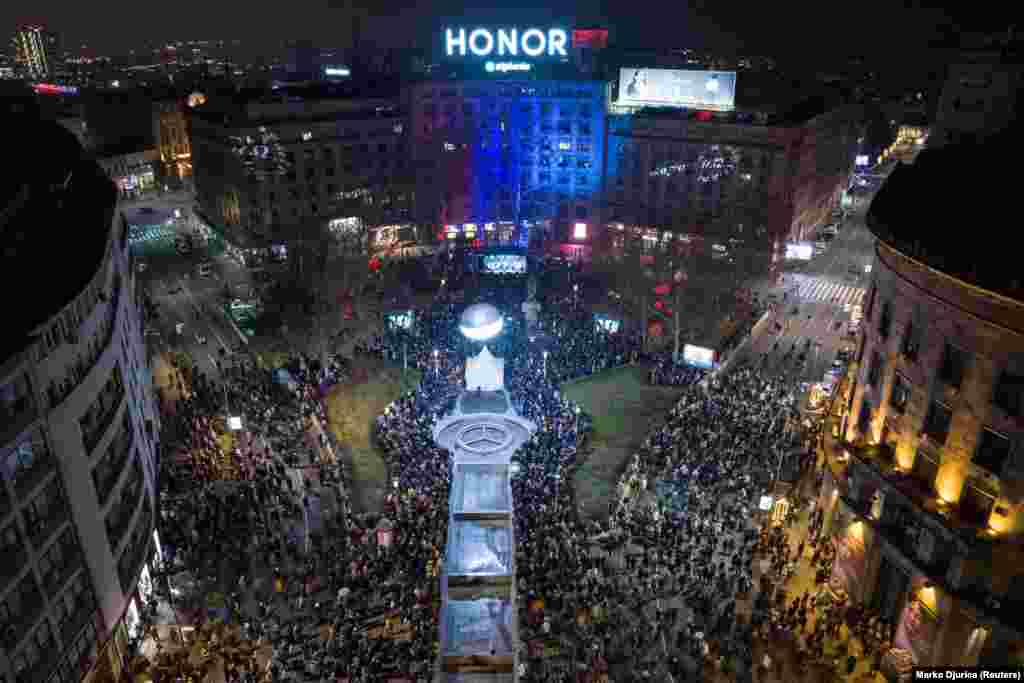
829,291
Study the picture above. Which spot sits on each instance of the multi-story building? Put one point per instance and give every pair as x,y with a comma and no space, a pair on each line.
768,170
170,130
982,93
270,168
924,494
509,159
78,425
36,52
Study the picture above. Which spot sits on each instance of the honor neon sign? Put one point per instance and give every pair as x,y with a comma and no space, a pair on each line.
505,42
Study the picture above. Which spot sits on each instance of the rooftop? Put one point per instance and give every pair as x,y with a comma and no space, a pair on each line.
53,225
953,210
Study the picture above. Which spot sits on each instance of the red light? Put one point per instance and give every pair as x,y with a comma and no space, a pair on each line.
476,244
659,304
663,289
704,116
593,38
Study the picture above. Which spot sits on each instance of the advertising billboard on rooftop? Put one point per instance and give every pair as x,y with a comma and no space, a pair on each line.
677,88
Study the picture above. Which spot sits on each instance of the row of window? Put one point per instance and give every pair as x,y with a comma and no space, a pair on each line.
1008,393
80,367
108,469
121,512
512,92
97,416
65,328
27,462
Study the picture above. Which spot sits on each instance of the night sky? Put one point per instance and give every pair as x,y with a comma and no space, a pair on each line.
797,28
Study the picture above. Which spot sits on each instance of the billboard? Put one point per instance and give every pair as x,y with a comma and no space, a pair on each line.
505,264
799,251
677,88
698,356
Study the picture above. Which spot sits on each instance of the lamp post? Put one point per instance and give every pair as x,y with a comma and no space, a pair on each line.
578,421
437,365
544,370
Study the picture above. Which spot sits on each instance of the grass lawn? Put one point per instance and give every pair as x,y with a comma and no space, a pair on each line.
624,408
352,410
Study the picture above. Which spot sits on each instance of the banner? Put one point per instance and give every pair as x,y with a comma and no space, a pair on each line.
917,631
850,565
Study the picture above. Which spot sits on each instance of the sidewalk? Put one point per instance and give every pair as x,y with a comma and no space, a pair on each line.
783,651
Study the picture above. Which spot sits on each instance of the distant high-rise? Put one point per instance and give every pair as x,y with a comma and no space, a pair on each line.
35,51
983,89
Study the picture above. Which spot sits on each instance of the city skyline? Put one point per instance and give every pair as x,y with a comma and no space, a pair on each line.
776,31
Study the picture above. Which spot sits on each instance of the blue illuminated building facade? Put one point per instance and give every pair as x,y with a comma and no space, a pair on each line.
509,162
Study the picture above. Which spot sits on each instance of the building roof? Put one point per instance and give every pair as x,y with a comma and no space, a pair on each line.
54,226
954,210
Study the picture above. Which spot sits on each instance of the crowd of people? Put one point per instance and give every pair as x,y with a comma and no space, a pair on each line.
358,597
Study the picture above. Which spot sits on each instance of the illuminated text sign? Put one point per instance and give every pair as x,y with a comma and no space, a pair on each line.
505,42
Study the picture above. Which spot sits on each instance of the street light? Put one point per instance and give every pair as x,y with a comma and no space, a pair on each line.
437,366
545,368
578,420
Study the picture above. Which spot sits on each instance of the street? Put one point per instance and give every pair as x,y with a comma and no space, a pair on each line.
179,292
816,304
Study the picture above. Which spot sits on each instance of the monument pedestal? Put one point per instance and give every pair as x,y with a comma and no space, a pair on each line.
485,372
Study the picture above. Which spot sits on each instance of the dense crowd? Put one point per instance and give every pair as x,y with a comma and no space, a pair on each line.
358,597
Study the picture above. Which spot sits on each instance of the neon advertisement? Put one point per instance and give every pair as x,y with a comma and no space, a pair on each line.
505,42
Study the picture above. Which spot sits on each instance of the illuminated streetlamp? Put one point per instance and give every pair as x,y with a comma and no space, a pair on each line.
437,365
545,368
578,420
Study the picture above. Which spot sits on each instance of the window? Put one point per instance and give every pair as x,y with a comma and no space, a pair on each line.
976,503
38,651
954,361
885,320
11,549
926,467
936,422
911,341
25,464
864,418
15,399
1010,393
17,612
900,395
993,451
60,559
875,371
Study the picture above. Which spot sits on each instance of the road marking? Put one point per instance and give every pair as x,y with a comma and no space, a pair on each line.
213,329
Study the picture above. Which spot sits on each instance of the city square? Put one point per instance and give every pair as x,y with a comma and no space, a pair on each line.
526,351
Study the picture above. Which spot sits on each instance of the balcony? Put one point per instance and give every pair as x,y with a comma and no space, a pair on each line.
879,460
81,614
28,478
108,471
92,436
43,528
25,613
58,577
14,561
120,516
16,416
58,393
